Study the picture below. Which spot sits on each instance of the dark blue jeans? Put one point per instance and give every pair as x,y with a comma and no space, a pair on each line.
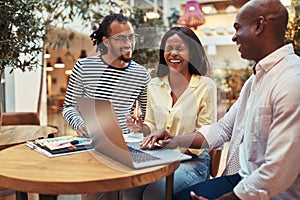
211,189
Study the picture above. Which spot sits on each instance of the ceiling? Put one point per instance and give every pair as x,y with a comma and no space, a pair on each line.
218,4
221,5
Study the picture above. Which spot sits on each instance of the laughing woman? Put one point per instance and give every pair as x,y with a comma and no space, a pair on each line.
180,100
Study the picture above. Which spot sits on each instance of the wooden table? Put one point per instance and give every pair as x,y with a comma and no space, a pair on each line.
17,134
26,170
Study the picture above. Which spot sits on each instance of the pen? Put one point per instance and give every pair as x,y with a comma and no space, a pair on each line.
63,143
79,141
136,109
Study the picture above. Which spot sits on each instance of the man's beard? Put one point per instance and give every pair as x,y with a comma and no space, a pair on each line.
121,57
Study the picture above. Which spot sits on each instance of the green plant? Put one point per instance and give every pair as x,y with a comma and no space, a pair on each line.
25,23
293,33
21,34
173,18
89,12
150,32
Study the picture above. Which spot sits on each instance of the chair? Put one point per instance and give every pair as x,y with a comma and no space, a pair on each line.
7,194
20,118
17,118
215,156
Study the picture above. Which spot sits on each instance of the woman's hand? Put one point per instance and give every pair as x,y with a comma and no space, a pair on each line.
134,123
161,138
82,132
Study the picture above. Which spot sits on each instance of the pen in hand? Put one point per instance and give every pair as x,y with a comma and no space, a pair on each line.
136,110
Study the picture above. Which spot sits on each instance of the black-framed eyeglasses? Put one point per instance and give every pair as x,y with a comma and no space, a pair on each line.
123,38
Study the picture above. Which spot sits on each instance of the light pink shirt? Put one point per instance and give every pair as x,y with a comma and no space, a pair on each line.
266,127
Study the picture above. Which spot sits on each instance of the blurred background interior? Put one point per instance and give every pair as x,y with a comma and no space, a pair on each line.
42,40
65,38
66,29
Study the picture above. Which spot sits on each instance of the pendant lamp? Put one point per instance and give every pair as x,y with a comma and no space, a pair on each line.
47,54
59,63
49,67
193,16
83,53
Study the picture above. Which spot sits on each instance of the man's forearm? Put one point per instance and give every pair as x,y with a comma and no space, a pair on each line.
193,140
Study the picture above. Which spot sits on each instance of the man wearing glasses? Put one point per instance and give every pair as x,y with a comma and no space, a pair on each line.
112,75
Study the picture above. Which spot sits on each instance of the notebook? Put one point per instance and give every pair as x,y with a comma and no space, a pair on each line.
103,128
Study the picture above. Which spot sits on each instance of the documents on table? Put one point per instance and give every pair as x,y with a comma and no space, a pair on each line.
62,145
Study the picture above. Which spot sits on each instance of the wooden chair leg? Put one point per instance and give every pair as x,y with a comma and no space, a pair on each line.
21,195
7,194
47,197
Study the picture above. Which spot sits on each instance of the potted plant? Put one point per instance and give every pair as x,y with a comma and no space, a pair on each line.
24,25
293,33
21,36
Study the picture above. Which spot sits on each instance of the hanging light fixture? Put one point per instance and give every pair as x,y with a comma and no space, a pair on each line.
153,14
83,53
49,67
68,72
59,63
47,54
193,16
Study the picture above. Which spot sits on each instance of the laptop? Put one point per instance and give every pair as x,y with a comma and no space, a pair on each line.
103,128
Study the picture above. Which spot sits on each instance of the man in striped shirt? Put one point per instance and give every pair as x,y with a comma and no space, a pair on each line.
112,75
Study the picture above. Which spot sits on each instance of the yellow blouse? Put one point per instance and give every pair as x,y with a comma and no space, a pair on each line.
197,106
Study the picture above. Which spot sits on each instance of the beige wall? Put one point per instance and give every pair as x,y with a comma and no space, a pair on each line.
57,78
227,56
222,52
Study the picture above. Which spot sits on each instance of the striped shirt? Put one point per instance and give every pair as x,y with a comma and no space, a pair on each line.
91,77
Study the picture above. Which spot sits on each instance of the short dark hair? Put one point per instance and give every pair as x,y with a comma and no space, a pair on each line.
198,62
104,30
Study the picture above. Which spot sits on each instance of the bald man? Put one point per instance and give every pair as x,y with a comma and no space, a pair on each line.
263,125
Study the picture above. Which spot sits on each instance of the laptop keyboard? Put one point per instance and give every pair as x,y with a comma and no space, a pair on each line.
139,156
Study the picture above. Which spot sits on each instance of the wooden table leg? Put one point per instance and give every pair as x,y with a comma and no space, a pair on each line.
47,197
21,195
120,194
169,187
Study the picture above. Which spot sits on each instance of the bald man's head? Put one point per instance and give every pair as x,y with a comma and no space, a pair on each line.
260,28
273,11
